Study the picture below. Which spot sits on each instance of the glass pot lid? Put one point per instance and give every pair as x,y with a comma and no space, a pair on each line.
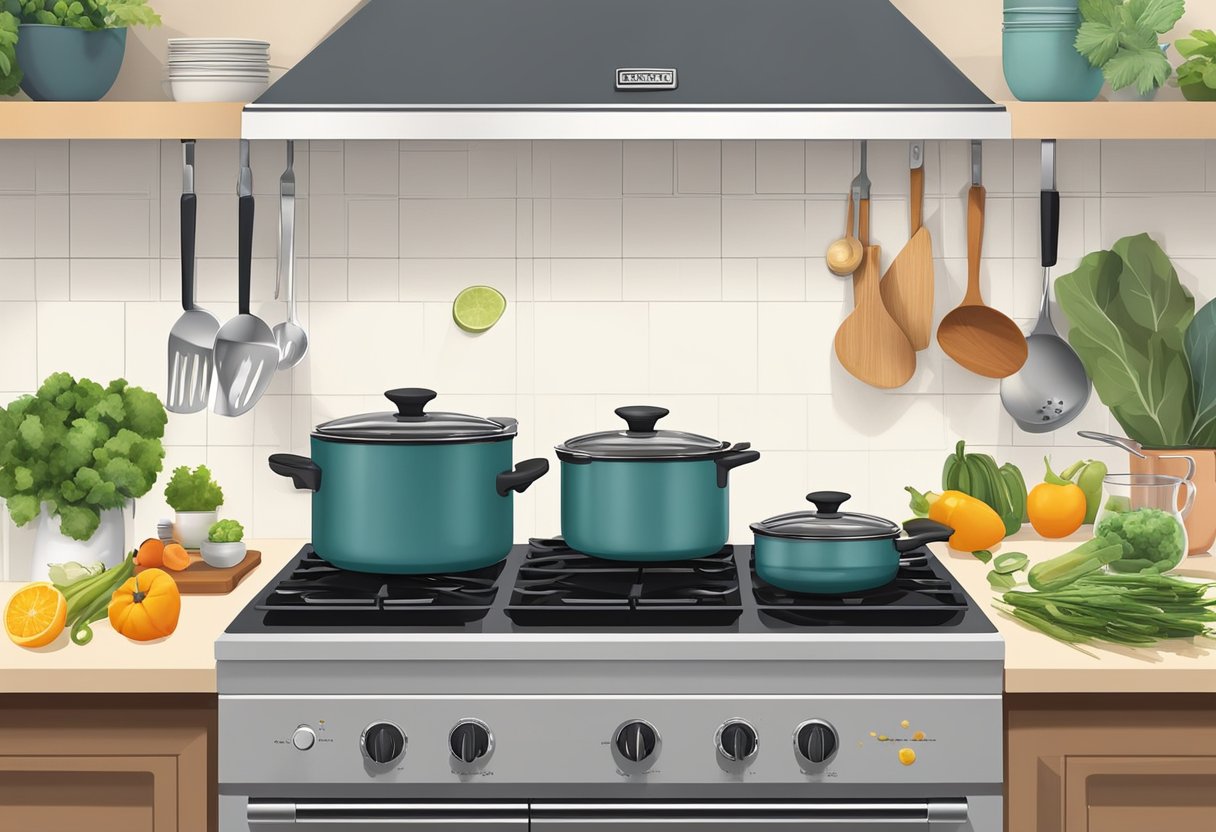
827,522
412,424
641,440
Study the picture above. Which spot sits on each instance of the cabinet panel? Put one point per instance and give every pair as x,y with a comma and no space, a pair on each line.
1131,794
66,794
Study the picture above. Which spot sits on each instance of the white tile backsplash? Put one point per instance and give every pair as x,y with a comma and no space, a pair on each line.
688,274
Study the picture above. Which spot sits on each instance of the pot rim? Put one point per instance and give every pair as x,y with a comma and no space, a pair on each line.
757,528
451,440
580,458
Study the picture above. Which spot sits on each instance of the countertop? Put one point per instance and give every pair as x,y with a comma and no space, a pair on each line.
185,663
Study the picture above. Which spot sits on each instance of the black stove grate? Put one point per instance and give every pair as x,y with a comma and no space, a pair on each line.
317,593
559,587
920,595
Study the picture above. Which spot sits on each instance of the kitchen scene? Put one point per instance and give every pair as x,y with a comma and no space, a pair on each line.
454,414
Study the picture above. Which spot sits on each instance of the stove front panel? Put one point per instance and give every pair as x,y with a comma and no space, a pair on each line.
576,740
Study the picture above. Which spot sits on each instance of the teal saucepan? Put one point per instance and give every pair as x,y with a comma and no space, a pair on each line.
644,494
834,552
412,492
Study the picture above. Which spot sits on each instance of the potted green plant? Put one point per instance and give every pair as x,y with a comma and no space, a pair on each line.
66,50
224,546
73,455
195,496
1149,354
1197,75
1120,38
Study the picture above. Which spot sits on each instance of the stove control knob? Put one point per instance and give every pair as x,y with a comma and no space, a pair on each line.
470,741
815,741
383,742
737,741
304,738
637,742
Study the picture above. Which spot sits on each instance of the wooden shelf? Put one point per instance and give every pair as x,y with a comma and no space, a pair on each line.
119,120
1113,119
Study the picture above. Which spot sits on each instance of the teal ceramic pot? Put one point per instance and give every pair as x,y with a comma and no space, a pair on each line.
1044,65
834,552
644,494
412,492
64,64
1041,5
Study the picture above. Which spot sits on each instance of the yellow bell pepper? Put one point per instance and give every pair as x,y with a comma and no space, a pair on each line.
976,525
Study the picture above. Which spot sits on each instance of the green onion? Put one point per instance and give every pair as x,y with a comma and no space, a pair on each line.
1010,562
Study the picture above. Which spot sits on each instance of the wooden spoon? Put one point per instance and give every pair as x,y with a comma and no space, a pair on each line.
869,344
844,255
975,335
907,287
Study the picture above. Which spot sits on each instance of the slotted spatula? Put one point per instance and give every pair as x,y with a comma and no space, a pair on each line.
192,338
245,351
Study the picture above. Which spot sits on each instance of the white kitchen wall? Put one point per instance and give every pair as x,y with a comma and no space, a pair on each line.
685,274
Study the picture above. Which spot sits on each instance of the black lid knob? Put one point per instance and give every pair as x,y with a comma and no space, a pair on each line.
410,401
737,741
828,503
636,741
469,741
817,742
641,418
383,742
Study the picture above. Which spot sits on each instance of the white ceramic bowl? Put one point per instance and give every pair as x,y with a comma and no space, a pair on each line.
222,555
208,89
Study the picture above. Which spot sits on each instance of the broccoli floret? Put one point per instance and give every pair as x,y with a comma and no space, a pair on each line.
1154,536
225,531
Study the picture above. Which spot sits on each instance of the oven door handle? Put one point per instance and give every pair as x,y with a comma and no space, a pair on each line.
739,817
388,815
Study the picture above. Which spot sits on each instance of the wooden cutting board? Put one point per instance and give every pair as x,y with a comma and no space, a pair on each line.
201,579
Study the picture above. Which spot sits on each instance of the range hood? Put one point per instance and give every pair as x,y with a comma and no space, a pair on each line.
625,69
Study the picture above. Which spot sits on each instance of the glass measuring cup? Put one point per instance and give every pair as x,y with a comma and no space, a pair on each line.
1142,510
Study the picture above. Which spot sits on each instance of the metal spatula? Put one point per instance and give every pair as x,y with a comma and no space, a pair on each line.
245,352
193,336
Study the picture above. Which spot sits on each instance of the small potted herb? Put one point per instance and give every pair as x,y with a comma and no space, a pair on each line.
1197,76
1120,38
195,497
224,546
66,50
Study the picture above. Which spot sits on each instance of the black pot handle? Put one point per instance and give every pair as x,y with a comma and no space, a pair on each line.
525,473
411,401
920,532
741,454
828,503
641,418
303,471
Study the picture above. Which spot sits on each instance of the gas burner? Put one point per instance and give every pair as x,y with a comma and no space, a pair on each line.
316,593
558,586
918,597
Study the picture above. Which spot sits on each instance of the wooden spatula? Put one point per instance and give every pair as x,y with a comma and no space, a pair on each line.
907,287
869,344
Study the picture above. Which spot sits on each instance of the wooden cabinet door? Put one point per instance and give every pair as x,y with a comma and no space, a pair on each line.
1132,794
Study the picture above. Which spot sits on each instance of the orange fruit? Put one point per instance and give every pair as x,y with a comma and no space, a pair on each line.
35,615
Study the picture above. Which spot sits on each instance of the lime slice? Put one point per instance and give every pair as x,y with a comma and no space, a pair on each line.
478,308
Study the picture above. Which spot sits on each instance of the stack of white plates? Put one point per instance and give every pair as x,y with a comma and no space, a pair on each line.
217,69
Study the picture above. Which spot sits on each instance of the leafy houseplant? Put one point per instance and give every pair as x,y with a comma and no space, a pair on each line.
1120,38
1197,76
195,496
66,49
224,547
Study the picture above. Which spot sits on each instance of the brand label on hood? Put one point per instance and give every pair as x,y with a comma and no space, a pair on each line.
645,79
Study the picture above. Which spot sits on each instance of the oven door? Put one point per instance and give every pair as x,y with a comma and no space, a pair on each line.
861,816
385,816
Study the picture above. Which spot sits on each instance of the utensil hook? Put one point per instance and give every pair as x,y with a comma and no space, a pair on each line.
977,162
1049,208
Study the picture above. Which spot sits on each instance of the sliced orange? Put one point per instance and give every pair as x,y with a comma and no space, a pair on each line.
35,615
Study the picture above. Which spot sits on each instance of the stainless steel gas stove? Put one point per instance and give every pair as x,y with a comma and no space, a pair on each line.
556,691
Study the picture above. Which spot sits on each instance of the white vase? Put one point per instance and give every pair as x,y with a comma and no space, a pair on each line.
191,527
108,543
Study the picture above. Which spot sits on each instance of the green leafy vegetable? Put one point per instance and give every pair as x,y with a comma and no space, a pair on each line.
1155,540
226,531
193,490
79,449
1120,38
1200,342
1000,580
1128,314
1197,76
982,555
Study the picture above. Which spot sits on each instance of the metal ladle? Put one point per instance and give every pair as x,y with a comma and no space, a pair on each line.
1052,387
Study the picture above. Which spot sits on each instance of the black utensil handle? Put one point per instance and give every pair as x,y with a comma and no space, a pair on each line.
738,455
641,418
304,473
411,401
189,223
1049,222
244,253
922,531
525,473
828,503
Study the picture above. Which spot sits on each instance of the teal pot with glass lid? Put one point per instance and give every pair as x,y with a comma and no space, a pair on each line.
644,494
411,491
